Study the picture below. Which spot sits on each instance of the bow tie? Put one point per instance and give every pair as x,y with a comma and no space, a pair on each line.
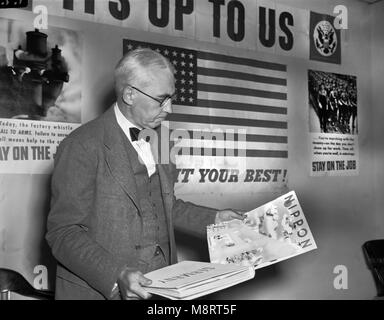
134,132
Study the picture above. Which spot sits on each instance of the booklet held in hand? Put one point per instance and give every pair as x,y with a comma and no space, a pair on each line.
189,280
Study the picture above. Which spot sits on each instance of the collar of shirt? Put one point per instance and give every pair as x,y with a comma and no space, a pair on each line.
124,123
142,147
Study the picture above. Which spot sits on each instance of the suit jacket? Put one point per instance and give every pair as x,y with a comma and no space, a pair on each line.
94,225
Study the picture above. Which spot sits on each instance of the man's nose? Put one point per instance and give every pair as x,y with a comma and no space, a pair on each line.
168,107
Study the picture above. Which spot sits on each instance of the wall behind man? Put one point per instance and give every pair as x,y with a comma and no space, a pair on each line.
342,212
377,70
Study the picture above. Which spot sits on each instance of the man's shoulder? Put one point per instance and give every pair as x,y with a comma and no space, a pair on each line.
89,136
92,131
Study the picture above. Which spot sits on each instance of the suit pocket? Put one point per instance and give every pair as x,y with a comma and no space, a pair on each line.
116,207
70,290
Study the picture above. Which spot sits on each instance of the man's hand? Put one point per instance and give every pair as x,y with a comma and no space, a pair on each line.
229,214
130,285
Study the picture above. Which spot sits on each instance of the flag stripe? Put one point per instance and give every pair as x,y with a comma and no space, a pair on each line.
248,137
241,91
174,125
230,113
232,136
219,162
228,144
241,68
233,152
236,98
226,121
241,83
240,106
241,61
241,76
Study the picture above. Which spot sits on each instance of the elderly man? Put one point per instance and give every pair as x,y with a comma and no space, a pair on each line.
113,210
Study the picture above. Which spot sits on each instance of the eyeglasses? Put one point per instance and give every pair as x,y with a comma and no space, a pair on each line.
163,103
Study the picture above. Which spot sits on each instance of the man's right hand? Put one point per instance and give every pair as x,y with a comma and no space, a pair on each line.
130,284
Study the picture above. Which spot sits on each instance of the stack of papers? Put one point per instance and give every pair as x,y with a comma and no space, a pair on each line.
189,280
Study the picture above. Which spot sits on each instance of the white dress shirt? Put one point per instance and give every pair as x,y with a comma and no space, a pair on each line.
142,147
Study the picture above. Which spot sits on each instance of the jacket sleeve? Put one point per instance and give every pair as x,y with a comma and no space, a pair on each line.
73,187
189,217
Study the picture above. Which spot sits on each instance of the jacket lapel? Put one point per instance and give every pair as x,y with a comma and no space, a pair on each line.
117,149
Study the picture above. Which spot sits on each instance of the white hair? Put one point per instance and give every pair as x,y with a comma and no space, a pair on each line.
131,67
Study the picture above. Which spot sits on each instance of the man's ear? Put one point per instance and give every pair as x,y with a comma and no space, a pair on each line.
127,95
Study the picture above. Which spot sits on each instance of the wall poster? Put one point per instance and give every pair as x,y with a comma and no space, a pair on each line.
333,124
40,104
229,122
40,101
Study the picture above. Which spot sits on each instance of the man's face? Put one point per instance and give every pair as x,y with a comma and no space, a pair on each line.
145,111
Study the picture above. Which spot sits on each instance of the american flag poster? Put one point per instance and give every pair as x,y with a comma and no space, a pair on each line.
228,127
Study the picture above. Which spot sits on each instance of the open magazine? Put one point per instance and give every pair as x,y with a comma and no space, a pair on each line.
270,233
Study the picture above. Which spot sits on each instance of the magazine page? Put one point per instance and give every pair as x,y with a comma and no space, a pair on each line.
270,233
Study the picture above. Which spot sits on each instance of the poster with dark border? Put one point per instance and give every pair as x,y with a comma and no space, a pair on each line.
324,39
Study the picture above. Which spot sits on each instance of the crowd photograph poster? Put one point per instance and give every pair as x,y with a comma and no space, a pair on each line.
333,124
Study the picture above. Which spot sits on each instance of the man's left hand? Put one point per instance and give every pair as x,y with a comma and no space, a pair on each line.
229,214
